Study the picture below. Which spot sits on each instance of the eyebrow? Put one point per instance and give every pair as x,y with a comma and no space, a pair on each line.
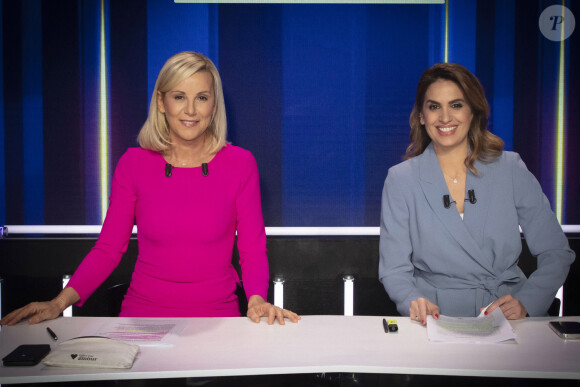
183,92
455,100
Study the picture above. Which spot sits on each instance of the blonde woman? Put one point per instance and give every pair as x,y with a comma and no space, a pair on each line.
190,192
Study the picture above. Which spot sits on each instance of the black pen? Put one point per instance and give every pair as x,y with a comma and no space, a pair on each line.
52,334
385,326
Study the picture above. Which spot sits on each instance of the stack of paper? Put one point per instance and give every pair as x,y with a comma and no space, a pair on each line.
157,332
492,328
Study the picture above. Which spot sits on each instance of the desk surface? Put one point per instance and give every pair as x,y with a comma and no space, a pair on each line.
317,344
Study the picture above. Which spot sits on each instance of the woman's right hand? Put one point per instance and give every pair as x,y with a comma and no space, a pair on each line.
37,311
421,308
41,311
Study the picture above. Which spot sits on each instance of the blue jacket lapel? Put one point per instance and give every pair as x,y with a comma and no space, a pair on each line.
476,214
434,187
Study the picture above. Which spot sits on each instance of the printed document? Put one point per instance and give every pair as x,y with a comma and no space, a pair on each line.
157,332
492,328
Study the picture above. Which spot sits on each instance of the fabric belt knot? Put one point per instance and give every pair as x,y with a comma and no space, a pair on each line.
492,284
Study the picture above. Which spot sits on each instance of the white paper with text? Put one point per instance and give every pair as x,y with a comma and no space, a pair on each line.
157,332
493,328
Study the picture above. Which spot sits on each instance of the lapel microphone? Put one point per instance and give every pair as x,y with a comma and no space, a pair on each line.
446,202
470,198
169,169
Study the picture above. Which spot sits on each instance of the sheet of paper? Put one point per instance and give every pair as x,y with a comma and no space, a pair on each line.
492,328
140,332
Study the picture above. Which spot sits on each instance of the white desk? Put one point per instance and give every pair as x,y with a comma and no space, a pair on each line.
317,344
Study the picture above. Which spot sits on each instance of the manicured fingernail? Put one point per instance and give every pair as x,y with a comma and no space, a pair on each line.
485,313
436,315
423,322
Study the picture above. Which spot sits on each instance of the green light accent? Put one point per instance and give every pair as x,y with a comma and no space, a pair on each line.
560,117
103,121
446,53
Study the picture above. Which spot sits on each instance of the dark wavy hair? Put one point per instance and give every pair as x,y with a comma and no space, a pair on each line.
484,145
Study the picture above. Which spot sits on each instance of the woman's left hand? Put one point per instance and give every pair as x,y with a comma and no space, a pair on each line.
258,307
511,307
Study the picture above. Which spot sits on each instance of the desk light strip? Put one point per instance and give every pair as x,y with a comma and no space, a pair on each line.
348,295
560,296
271,231
279,292
68,311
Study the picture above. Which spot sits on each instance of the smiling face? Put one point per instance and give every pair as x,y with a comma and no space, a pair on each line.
446,116
189,108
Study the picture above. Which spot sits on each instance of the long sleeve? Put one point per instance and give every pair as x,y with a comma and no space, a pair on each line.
395,266
545,239
114,238
251,233
187,225
428,250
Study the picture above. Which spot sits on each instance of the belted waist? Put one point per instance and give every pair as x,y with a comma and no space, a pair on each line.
441,281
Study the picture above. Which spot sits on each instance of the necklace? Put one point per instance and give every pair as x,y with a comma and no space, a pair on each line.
174,161
181,163
453,179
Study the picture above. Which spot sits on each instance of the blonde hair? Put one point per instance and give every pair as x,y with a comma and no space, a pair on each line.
484,145
154,134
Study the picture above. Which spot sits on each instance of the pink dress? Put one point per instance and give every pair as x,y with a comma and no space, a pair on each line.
187,226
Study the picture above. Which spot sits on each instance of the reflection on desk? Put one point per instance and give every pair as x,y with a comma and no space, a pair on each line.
210,347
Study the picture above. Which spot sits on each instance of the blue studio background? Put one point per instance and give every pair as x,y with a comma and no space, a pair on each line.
319,93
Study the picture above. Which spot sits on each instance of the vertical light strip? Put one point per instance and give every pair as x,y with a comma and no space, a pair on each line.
559,188
560,296
279,292
68,311
446,53
103,119
560,140
348,295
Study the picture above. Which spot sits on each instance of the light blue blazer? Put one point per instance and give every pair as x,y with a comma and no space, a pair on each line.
427,250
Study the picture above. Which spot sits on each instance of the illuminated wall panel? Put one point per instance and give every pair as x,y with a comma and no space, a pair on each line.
320,94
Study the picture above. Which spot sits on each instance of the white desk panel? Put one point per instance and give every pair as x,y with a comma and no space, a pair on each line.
317,344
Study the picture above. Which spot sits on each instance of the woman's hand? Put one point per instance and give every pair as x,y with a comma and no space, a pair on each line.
258,307
421,308
511,307
37,311
40,311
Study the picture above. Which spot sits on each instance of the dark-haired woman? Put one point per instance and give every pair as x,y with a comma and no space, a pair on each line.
450,218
